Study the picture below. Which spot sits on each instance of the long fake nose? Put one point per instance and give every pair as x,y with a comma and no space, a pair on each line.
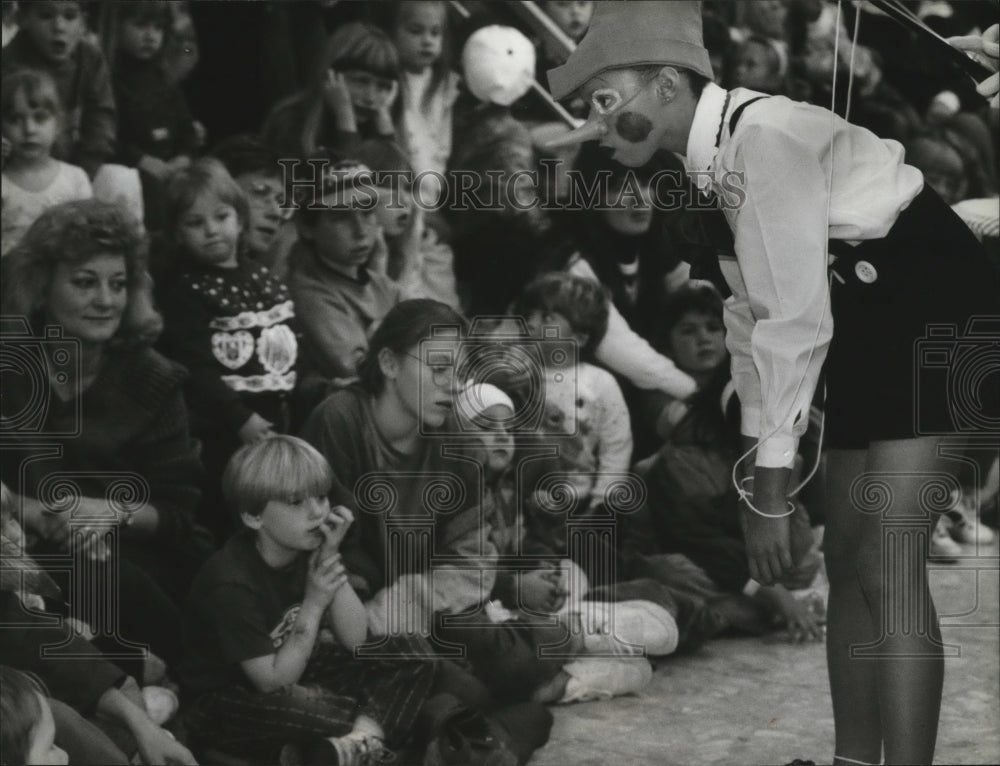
591,130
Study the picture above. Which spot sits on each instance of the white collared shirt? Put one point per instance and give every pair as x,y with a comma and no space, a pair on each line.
778,320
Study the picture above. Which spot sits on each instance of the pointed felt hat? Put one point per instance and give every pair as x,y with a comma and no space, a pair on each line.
625,34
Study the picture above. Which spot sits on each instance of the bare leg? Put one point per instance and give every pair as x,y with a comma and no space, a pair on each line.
911,659
853,684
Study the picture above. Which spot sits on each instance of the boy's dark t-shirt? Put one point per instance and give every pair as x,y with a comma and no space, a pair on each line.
239,608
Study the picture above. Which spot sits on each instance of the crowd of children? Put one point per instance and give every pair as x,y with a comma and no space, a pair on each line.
372,469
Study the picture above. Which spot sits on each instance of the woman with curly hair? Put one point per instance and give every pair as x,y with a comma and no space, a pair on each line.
78,323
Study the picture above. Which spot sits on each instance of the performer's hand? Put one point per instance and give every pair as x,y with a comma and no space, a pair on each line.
767,539
985,49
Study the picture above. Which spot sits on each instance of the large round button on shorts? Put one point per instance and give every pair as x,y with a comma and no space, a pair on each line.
866,272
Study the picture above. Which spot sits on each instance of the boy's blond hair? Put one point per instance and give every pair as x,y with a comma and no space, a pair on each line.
277,468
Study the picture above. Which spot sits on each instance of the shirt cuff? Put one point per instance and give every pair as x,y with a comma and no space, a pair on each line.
777,451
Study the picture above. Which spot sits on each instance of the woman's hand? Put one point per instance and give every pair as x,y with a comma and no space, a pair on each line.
767,539
92,516
255,429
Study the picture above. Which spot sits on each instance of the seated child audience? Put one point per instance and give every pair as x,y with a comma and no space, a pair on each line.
51,38
339,296
29,730
273,613
499,248
761,65
941,164
87,691
388,423
417,258
273,623
228,320
349,100
33,180
572,17
428,87
515,578
623,241
588,396
254,166
156,132
691,505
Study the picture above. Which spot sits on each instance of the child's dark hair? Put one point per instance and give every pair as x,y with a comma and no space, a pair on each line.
358,45
280,467
39,91
23,9
206,175
20,712
690,299
147,12
245,153
158,12
584,303
707,421
408,323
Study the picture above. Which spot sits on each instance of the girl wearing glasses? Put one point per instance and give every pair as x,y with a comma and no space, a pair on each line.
379,434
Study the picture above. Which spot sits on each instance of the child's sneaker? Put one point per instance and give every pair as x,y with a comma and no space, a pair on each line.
943,548
601,678
628,628
349,750
964,526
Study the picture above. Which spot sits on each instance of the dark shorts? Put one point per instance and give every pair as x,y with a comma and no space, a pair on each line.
916,350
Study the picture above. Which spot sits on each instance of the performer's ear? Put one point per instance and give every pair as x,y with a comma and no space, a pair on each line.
667,84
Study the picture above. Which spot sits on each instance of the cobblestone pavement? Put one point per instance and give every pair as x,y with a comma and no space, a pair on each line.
764,701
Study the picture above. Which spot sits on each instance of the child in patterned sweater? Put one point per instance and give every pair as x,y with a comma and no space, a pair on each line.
227,319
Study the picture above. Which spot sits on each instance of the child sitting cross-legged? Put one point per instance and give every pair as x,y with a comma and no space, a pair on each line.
560,308
580,649
340,294
272,623
691,505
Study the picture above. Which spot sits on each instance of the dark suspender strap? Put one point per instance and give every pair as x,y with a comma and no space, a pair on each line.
725,106
738,111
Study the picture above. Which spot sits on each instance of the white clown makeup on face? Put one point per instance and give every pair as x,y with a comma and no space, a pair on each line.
620,101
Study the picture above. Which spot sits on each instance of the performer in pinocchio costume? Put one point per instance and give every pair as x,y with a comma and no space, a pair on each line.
814,185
